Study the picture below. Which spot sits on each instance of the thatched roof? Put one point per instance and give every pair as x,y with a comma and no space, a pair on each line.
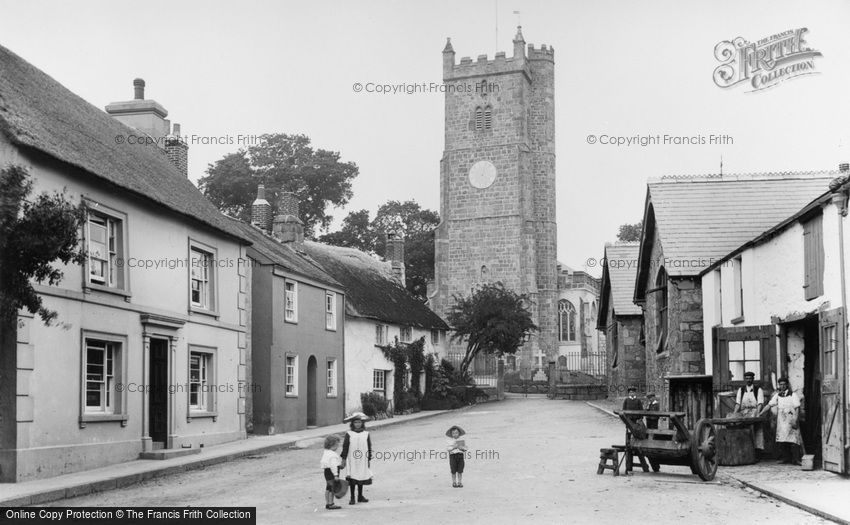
370,290
38,112
283,254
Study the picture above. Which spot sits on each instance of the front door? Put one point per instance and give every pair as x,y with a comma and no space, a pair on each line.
832,370
311,391
158,392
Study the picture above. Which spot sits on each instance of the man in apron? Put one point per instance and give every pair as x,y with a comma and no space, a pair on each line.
748,403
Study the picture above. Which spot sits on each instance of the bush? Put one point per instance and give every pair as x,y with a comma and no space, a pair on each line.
407,400
373,403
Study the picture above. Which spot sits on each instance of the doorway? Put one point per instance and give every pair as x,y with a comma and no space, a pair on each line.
158,393
311,391
810,428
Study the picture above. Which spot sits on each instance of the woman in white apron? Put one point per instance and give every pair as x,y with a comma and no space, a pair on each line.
787,427
357,455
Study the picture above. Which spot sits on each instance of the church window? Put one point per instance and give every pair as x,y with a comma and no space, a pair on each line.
479,118
566,321
488,118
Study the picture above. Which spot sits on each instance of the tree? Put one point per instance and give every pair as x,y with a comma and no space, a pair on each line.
417,225
356,232
33,234
414,223
630,232
283,163
491,320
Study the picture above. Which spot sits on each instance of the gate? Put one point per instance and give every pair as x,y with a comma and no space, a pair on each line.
484,368
588,369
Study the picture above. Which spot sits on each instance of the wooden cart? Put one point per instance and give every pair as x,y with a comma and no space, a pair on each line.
672,446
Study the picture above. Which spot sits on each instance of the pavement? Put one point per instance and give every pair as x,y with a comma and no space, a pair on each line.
819,492
120,475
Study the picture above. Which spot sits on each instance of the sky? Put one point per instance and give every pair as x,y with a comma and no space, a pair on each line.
230,70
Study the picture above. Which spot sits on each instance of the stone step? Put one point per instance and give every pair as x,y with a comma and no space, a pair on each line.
168,453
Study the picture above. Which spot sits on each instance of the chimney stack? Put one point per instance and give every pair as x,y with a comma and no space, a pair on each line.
177,150
287,227
395,255
261,210
147,116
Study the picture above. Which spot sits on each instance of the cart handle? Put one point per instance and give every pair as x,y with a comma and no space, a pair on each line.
648,413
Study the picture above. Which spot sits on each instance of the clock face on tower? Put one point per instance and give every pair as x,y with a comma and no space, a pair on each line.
482,174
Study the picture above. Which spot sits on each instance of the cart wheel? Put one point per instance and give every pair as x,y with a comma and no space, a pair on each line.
703,451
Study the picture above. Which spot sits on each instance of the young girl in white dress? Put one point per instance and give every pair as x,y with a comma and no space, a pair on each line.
357,455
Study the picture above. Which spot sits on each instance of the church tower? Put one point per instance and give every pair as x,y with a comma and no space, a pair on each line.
497,186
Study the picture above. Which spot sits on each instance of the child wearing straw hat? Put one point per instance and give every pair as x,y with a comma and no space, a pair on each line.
457,450
331,463
357,455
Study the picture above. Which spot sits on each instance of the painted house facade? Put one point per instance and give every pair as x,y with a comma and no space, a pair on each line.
621,320
297,366
689,223
378,309
776,306
151,344
580,345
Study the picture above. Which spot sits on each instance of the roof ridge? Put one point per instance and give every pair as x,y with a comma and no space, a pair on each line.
731,177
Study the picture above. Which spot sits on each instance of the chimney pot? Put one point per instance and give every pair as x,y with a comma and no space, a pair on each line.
176,130
139,89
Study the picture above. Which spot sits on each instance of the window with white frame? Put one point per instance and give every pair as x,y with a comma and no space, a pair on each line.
435,337
291,301
406,334
101,369
744,356
105,250
331,378
200,375
330,310
379,381
380,334
291,373
202,279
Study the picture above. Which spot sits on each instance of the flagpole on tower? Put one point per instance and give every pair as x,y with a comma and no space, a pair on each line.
496,7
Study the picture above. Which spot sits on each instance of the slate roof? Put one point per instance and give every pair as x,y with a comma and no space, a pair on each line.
618,281
806,212
38,112
283,255
370,289
700,219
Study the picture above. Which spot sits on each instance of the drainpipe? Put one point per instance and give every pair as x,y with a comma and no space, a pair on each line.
839,198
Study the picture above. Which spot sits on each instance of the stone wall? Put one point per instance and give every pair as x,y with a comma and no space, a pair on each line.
631,356
683,348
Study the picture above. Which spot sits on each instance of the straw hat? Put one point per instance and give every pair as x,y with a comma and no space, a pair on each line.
357,415
340,488
453,427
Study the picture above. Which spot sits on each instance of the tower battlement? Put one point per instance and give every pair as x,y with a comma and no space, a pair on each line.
544,53
500,64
